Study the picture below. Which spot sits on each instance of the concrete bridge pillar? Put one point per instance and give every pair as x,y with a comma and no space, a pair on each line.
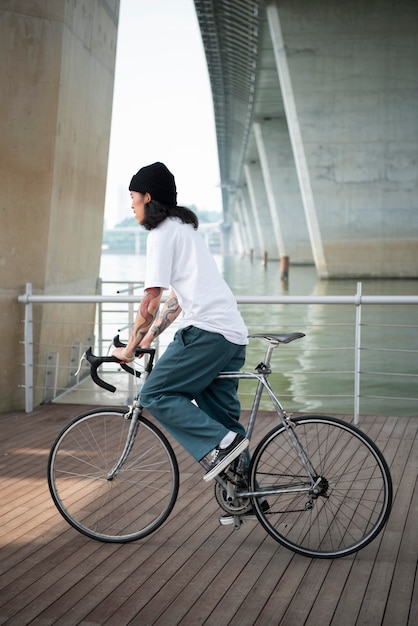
282,189
348,79
268,186
57,74
260,210
246,225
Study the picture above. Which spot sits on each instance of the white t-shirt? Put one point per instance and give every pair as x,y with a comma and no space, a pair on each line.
177,257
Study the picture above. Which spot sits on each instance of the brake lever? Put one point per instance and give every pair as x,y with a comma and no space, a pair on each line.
82,359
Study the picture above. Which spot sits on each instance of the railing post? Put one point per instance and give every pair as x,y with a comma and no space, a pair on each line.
357,348
28,338
131,389
100,318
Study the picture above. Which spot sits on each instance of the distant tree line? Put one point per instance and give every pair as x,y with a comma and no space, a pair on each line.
117,241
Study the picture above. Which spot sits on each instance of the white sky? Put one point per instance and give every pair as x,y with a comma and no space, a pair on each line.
162,107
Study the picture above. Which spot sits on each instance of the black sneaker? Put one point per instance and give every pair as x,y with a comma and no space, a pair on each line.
222,457
226,520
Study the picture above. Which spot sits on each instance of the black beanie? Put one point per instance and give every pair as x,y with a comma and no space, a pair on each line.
158,181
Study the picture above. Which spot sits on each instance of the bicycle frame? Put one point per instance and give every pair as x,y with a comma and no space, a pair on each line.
261,375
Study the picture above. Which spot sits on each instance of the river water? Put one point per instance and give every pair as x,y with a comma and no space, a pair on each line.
316,373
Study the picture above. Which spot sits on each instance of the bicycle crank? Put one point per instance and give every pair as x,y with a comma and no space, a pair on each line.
231,505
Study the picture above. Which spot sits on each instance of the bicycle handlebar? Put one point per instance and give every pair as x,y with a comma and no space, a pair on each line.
96,362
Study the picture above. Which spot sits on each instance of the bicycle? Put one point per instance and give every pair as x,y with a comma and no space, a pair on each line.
114,477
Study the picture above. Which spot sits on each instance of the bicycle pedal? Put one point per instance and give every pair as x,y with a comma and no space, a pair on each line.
231,520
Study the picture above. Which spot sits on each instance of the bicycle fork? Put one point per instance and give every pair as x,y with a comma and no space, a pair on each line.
133,414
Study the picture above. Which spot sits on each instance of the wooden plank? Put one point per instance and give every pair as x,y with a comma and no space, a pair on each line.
192,570
370,577
404,575
221,597
332,585
217,556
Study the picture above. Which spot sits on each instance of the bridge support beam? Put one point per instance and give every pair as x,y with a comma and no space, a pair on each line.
268,185
254,210
259,211
296,139
282,189
348,83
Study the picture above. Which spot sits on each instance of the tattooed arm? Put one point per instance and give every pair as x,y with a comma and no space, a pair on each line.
144,318
170,311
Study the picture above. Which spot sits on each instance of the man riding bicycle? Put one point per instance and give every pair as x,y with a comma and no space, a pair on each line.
211,338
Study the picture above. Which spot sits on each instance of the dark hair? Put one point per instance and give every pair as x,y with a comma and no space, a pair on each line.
155,213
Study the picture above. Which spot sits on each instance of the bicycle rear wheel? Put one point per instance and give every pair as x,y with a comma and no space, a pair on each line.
131,504
354,482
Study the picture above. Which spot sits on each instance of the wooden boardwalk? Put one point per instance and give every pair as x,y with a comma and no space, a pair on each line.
194,571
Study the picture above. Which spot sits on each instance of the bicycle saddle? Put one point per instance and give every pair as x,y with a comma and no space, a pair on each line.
278,338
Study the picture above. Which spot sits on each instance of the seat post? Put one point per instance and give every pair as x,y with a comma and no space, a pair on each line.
269,351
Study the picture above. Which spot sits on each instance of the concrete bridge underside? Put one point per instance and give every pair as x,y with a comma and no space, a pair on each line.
316,116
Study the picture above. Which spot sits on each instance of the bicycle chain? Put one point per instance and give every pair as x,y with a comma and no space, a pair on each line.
307,507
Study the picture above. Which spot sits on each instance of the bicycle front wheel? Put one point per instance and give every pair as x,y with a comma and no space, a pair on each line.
353,494
119,507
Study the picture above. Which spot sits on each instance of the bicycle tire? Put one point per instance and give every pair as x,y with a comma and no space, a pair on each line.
356,496
136,501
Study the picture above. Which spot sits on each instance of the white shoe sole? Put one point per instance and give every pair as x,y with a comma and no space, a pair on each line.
228,520
227,460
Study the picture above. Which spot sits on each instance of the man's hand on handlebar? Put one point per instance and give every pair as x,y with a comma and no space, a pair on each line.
120,355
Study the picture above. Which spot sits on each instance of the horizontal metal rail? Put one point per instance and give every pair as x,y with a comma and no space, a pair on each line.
356,300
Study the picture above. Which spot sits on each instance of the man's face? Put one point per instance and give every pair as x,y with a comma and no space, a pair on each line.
139,201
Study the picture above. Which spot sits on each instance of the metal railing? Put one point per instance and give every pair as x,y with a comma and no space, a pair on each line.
355,302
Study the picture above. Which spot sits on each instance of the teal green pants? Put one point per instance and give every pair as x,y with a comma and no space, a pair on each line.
187,371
